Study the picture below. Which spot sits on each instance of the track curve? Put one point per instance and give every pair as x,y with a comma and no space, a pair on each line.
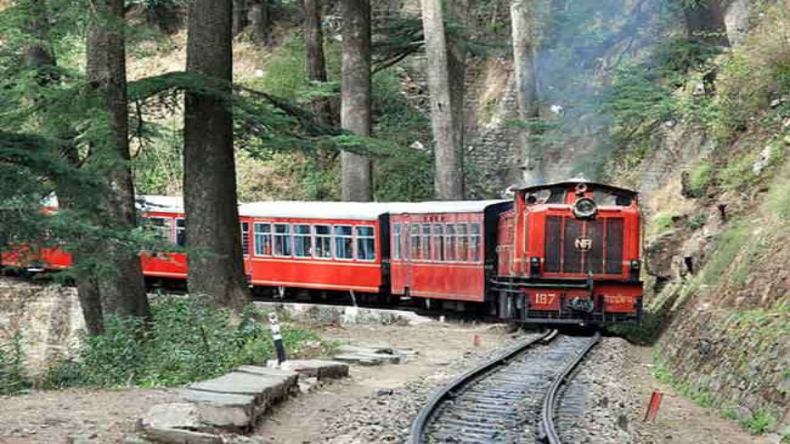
500,401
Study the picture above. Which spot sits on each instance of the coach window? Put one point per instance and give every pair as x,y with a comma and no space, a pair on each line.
245,238
323,242
263,239
396,247
475,241
162,226
282,240
438,241
462,235
426,242
366,243
302,241
415,242
181,232
449,242
344,242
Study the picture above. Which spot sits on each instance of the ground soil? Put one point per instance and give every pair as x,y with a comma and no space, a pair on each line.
107,416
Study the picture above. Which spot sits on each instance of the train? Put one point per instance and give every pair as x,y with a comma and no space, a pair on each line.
559,253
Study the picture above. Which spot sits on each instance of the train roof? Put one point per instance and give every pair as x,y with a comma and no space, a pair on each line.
358,210
574,182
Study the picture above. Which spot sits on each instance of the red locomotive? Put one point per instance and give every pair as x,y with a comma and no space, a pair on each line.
561,253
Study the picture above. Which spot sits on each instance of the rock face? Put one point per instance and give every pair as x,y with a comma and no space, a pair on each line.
46,317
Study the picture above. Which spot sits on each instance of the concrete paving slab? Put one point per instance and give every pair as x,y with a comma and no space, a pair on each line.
223,410
314,368
176,423
266,389
368,358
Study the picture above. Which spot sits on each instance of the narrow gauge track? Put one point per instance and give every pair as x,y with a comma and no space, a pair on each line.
510,399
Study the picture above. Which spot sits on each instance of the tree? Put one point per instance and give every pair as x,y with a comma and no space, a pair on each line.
40,59
123,288
240,14
260,16
522,14
355,111
705,22
212,223
315,61
448,180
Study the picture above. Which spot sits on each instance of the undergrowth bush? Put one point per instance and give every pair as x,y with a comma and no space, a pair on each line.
188,340
12,374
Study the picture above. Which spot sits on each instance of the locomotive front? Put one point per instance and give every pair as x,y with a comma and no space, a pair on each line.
569,253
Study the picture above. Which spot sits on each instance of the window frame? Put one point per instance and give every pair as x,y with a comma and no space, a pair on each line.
170,227
309,236
372,237
462,240
476,240
245,244
415,247
323,236
180,230
334,244
397,248
437,237
288,236
263,235
426,247
450,242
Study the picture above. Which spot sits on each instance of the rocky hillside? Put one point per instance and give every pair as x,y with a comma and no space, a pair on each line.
715,174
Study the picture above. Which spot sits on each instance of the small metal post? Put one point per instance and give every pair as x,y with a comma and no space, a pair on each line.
652,408
278,338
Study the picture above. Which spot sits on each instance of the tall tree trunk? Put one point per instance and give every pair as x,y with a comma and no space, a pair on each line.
448,181
123,290
355,112
212,223
458,11
260,16
522,14
315,62
39,57
240,10
705,23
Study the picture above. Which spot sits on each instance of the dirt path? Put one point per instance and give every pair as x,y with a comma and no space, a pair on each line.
680,420
52,417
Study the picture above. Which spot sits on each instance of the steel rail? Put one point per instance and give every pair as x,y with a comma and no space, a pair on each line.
550,401
449,391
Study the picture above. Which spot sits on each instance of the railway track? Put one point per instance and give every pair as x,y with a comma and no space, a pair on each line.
510,399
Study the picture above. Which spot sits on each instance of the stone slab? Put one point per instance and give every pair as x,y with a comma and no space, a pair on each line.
176,423
314,368
238,383
369,358
223,410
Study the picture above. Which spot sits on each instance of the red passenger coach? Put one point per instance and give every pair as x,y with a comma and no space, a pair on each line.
570,253
444,251
317,245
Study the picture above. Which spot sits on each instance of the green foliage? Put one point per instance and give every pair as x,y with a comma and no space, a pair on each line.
728,246
698,221
701,178
778,200
700,395
187,341
12,374
659,224
761,421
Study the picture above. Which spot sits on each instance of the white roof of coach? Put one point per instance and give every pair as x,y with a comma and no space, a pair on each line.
358,210
162,204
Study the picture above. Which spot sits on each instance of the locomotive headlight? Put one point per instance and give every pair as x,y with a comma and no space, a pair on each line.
585,208
635,265
534,267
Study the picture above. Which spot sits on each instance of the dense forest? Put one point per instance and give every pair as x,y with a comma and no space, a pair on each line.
687,101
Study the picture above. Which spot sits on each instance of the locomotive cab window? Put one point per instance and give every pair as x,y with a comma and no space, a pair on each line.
366,243
323,242
263,239
302,241
282,240
245,238
344,242
611,198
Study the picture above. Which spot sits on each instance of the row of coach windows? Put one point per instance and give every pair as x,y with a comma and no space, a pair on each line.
437,242
343,242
